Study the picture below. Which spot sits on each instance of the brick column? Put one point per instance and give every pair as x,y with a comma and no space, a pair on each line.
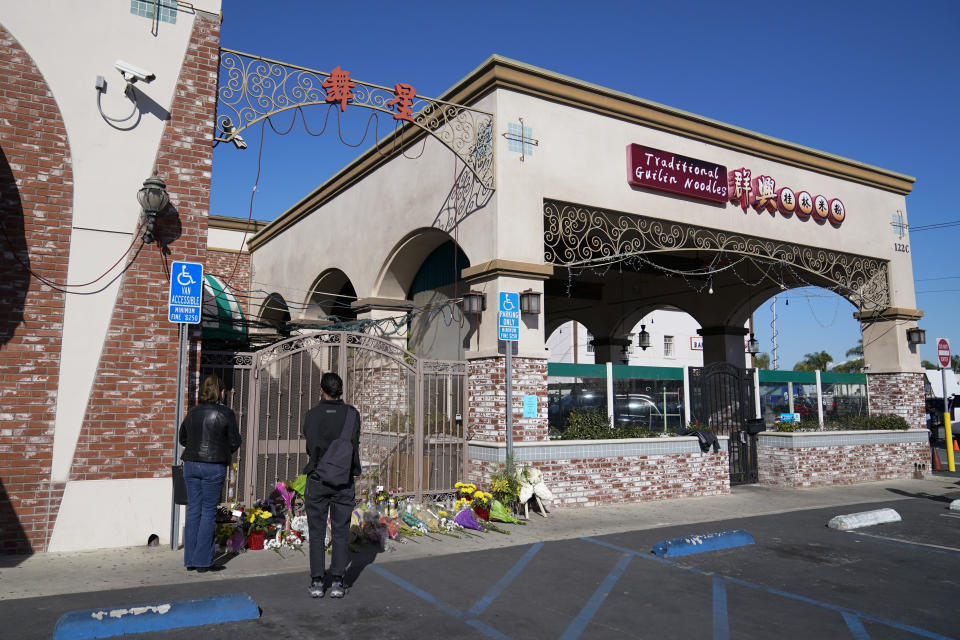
900,394
36,213
487,396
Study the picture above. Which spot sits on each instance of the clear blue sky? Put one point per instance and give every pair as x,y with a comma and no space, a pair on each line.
873,81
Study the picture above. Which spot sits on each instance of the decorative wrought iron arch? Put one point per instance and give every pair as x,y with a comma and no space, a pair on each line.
580,236
253,88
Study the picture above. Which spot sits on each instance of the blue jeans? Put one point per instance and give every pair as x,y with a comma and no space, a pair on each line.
204,483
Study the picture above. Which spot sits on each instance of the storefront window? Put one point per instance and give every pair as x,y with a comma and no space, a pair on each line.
652,404
843,400
568,394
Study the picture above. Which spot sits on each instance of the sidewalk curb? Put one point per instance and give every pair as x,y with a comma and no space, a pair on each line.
688,545
863,519
158,616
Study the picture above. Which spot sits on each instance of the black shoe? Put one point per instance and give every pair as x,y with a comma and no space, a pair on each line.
316,588
191,568
213,567
337,590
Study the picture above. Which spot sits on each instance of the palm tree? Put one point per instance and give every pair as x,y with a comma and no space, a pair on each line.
855,365
814,361
954,363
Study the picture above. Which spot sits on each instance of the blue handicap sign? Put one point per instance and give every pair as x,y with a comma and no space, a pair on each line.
510,304
186,292
508,320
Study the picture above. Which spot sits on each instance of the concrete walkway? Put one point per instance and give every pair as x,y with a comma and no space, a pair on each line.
46,574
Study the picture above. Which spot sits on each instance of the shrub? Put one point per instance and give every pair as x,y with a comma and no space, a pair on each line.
882,421
594,424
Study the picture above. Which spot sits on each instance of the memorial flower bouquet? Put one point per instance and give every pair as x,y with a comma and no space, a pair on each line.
481,504
258,519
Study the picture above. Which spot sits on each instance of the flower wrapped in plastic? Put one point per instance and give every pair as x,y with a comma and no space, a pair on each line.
285,540
500,513
467,519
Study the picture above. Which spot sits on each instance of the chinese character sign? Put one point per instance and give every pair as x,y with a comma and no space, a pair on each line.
403,100
339,87
762,194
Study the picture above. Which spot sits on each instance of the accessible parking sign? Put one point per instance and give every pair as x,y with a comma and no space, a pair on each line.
186,292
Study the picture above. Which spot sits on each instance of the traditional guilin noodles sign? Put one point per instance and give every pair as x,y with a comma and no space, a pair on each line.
665,171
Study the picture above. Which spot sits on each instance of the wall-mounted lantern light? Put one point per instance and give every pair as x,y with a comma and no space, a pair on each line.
916,335
530,302
643,339
153,199
753,346
474,302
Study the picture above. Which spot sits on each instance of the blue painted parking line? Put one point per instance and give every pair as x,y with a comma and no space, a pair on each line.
576,627
856,627
777,592
157,616
505,581
449,609
721,624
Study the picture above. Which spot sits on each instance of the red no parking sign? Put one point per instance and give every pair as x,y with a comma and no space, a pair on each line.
943,352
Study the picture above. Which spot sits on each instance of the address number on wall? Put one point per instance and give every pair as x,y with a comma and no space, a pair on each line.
902,248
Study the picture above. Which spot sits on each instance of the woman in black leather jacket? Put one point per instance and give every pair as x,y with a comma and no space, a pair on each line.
209,435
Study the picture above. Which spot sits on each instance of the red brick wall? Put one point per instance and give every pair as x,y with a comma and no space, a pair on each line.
128,430
487,397
847,464
225,264
36,210
900,394
591,482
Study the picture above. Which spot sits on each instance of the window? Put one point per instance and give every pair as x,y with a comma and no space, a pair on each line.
668,347
165,10
589,342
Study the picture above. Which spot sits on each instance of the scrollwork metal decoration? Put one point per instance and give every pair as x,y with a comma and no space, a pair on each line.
579,236
253,88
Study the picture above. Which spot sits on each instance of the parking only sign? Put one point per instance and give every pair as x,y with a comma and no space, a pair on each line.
186,292
508,325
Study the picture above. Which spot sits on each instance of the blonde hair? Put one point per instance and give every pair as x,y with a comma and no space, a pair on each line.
210,390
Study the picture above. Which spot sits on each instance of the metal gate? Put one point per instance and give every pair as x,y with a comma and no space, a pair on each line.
411,435
721,398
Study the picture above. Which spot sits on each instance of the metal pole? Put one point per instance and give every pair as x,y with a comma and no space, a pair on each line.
181,361
947,431
509,382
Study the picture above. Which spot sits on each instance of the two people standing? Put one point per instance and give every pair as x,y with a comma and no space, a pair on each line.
210,435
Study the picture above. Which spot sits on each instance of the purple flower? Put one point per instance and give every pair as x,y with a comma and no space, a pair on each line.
467,519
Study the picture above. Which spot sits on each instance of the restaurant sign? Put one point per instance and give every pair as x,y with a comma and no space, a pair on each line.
655,169
665,171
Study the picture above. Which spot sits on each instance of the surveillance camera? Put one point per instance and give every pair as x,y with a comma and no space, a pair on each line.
132,73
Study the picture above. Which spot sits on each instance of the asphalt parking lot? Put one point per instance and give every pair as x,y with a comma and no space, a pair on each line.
799,580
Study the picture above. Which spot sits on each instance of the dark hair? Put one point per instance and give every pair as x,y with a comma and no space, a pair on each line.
210,389
331,384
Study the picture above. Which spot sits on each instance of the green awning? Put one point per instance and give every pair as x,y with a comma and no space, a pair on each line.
222,314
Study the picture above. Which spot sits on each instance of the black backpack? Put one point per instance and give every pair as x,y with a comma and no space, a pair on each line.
335,466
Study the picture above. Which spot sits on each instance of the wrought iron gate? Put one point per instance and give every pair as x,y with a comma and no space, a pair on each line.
410,408
722,398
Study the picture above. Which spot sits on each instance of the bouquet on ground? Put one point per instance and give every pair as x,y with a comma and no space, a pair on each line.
505,486
258,519
500,513
481,504
291,540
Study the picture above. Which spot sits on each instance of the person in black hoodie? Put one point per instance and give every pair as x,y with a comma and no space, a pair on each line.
321,426
209,435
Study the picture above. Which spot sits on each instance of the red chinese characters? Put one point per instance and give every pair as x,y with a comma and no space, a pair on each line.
339,87
762,194
403,99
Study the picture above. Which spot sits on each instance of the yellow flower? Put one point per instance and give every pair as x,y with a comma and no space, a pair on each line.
265,515
458,485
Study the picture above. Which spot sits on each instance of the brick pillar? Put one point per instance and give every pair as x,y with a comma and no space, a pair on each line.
36,213
487,398
900,394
